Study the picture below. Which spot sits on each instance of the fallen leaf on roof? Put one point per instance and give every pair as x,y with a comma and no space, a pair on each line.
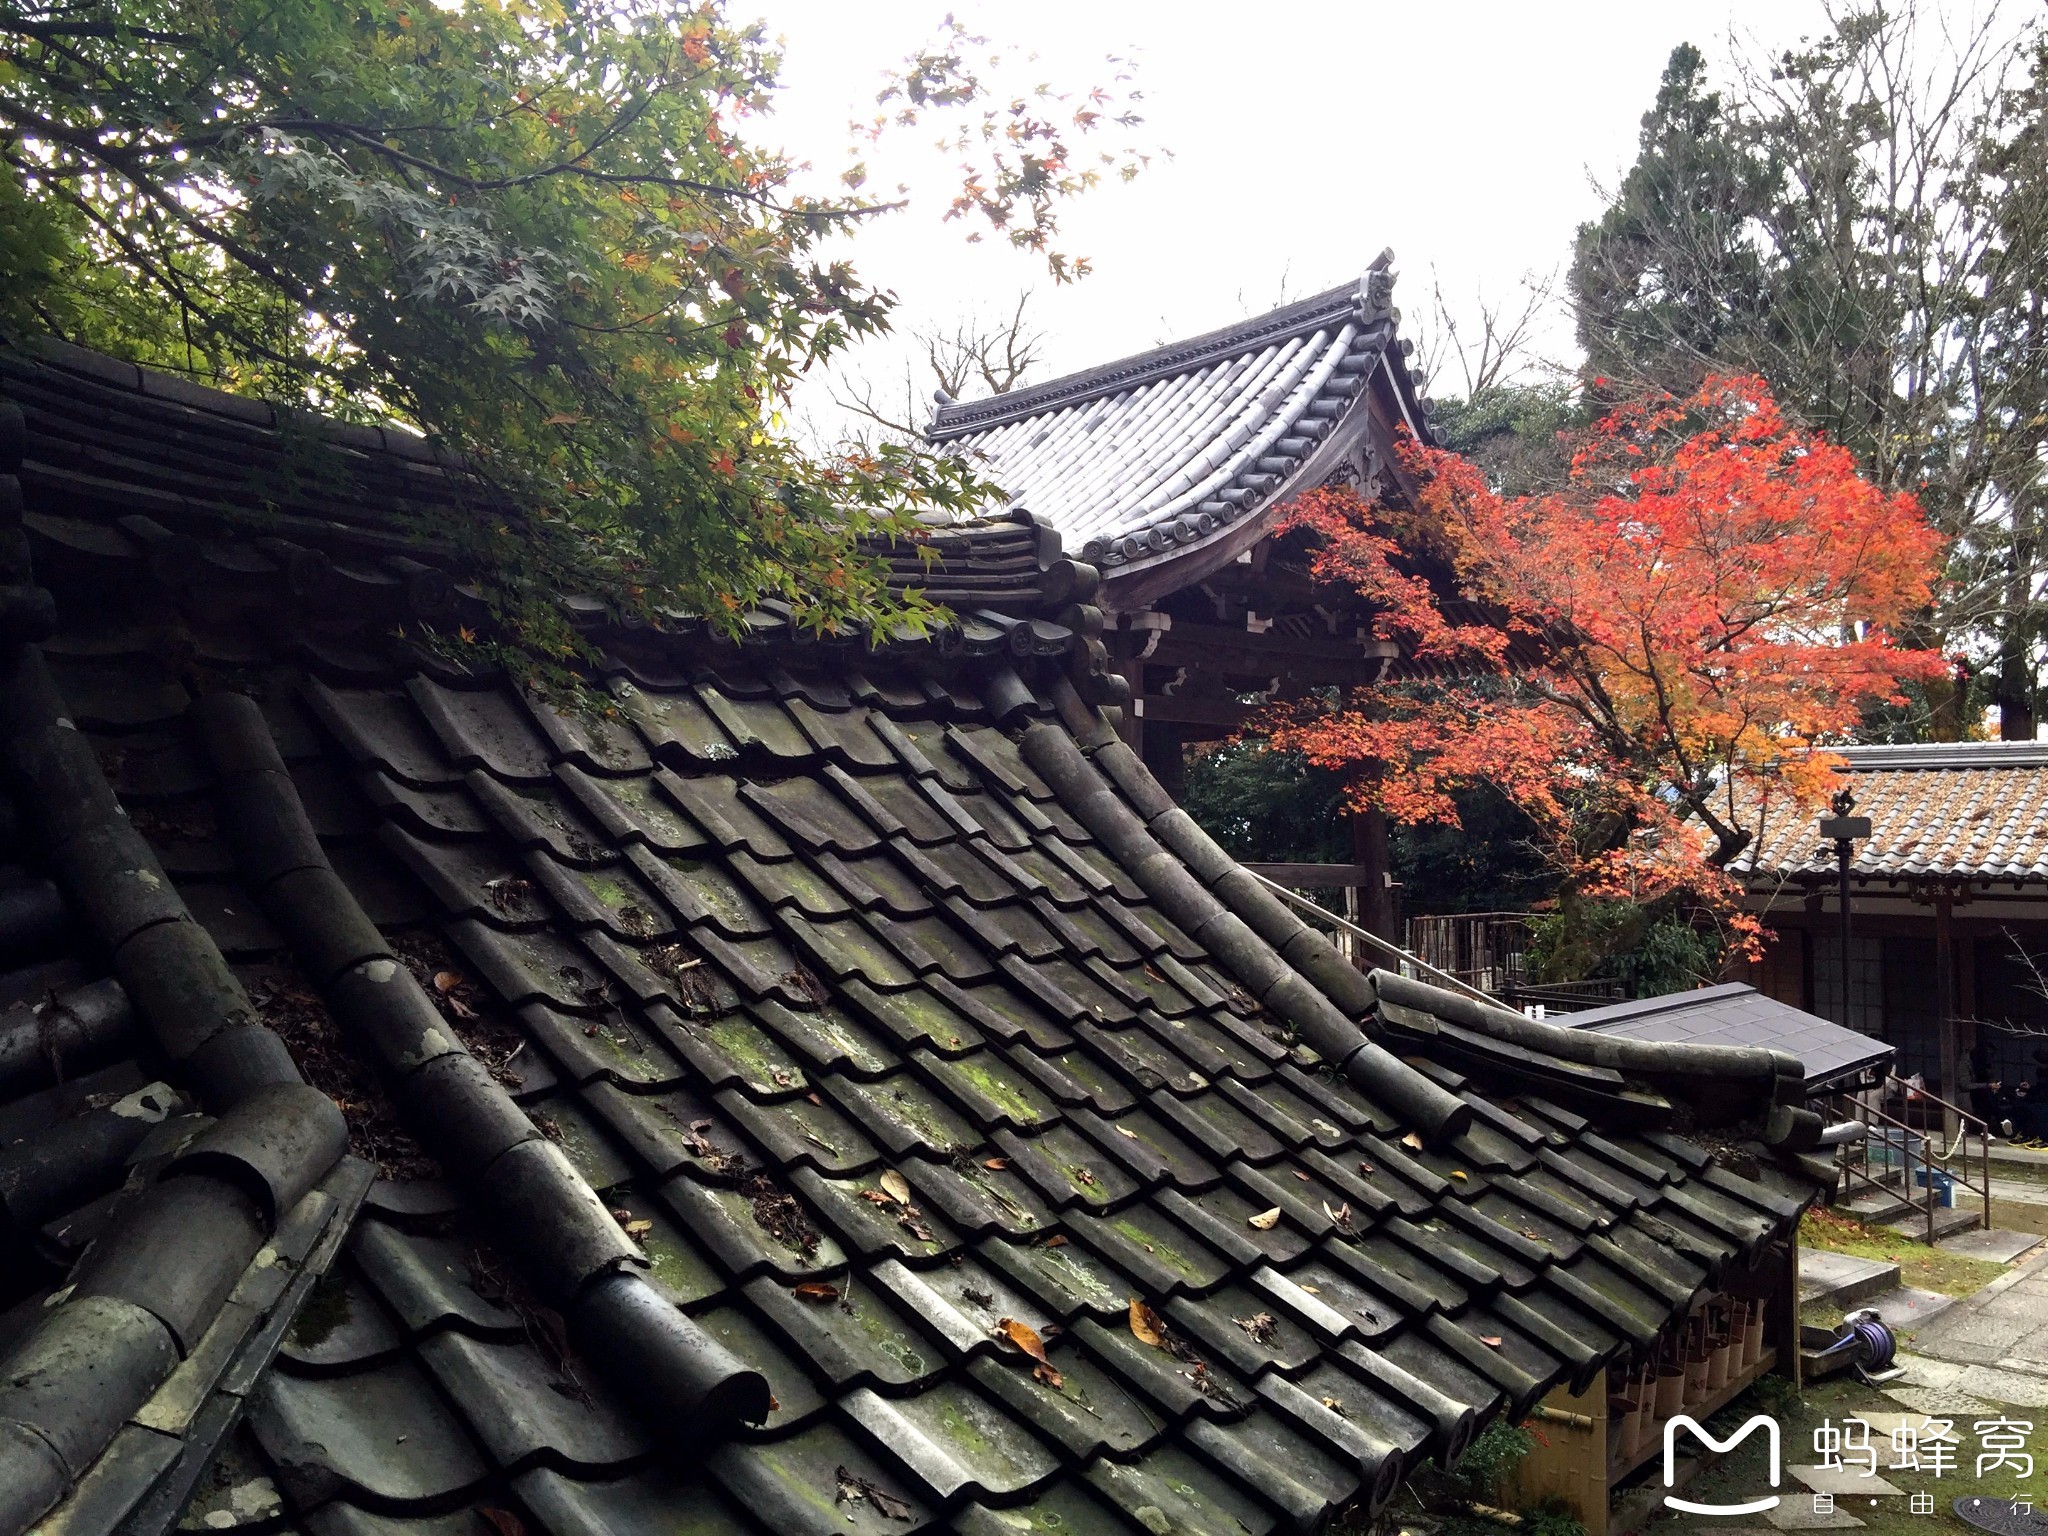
1459,1175
1490,1340
874,1197
639,1228
853,1488
996,1164
1301,1176
1146,1326
1365,1167
1049,1376
447,981
1412,1140
895,1186
1261,1326
817,1292
1125,1130
1023,1335
1057,1240
1265,1221
503,1521
1335,1405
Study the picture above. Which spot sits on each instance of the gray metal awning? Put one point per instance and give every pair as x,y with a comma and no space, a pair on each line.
1736,1014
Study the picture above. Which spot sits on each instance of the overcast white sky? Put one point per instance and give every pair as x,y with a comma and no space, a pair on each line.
1306,138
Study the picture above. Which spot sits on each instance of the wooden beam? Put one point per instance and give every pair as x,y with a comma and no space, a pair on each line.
1203,640
1310,659
1221,714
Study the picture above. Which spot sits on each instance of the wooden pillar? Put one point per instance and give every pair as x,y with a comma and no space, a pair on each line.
1132,730
1378,910
1161,745
1945,1008
1782,1317
1135,638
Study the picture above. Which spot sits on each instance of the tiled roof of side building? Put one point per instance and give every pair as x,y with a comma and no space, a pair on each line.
1140,460
1938,810
752,1066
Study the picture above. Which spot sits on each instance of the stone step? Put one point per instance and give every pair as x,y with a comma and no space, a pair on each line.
1909,1307
1879,1210
1842,1279
1999,1246
1874,1209
1949,1221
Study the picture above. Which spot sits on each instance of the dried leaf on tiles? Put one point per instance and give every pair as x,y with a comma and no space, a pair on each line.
853,1488
1301,1176
1265,1221
1412,1141
503,1521
448,981
1146,1325
995,1164
1459,1175
817,1292
1125,1130
1490,1340
1260,1326
895,1186
1023,1335
1340,1218
639,1228
874,1197
1049,1376
1057,1240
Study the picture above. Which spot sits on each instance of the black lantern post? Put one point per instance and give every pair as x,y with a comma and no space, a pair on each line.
1843,830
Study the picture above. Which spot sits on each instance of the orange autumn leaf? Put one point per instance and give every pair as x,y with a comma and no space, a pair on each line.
1024,1336
817,1292
1146,1326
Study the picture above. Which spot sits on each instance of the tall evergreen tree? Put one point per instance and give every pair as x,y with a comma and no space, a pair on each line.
1841,220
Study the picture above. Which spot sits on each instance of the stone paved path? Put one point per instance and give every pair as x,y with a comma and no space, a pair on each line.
2005,1324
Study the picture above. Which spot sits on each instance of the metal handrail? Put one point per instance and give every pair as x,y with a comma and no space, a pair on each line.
1876,1116
1372,940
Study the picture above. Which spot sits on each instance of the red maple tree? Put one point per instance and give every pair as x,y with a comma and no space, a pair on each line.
1641,659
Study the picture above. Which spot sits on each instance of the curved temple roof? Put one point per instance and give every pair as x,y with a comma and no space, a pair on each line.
1143,460
758,1073
1965,810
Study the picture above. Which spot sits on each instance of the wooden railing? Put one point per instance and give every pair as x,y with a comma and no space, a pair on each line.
1903,1162
1487,949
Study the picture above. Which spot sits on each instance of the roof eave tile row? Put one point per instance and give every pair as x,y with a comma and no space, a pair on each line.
1155,455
